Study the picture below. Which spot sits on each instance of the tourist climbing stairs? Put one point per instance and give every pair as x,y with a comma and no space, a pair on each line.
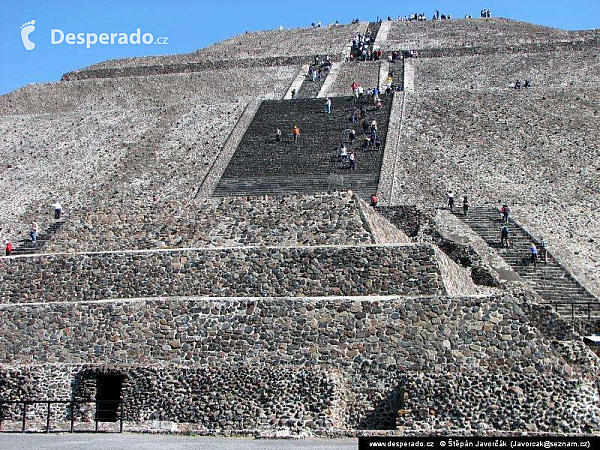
262,166
26,246
310,88
373,29
549,279
371,32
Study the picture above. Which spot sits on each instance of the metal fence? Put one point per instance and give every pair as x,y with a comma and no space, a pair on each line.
576,309
102,413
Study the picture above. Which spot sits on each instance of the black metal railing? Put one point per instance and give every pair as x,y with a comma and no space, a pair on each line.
105,411
578,309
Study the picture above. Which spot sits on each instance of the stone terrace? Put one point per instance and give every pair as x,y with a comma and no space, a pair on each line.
260,44
551,69
536,149
218,86
437,334
236,221
230,272
483,33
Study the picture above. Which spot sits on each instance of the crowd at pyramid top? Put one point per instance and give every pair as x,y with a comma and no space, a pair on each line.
485,13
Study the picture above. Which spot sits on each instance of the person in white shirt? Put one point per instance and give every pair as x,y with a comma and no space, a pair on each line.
451,201
58,210
343,153
33,232
352,161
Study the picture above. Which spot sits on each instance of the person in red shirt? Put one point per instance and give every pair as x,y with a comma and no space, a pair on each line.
374,200
9,248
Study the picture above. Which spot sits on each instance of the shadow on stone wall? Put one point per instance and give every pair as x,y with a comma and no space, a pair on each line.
383,415
415,221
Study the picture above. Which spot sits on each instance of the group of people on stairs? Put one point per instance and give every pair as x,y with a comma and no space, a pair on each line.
534,252
9,247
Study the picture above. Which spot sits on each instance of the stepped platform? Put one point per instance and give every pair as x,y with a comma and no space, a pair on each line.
549,279
215,222
262,166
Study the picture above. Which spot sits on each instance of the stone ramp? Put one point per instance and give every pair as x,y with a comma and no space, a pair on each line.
262,166
552,281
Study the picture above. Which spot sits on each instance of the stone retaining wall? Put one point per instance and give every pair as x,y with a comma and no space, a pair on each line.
238,397
526,402
250,271
427,333
411,219
186,67
244,398
291,220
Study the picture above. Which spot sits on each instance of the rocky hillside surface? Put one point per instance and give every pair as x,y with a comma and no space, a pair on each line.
94,143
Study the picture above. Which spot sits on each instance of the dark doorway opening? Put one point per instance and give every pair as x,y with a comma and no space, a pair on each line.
108,397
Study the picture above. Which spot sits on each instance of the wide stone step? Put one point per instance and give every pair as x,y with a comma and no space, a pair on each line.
296,184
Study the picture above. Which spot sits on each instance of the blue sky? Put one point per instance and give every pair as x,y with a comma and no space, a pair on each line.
193,24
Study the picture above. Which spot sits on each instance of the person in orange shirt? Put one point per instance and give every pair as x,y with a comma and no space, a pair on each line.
296,133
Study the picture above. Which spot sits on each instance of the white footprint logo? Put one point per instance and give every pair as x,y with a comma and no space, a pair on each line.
26,30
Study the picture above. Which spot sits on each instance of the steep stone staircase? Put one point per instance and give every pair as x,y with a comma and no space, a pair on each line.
27,247
373,29
550,280
310,88
262,166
